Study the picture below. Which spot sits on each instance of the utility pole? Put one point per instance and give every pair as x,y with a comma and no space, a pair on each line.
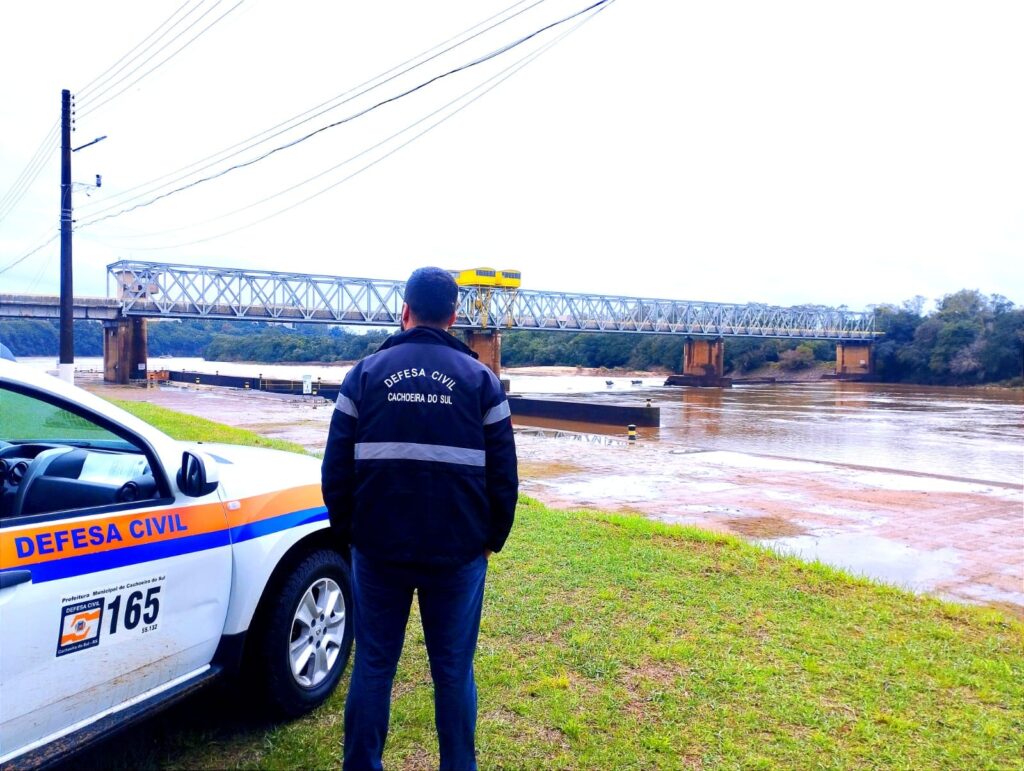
66,363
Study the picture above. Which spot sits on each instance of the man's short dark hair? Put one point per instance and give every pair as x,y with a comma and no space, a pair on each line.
431,294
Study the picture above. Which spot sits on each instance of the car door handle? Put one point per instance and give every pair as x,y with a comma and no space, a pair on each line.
14,577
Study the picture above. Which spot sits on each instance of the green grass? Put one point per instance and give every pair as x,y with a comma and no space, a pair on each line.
614,642
192,429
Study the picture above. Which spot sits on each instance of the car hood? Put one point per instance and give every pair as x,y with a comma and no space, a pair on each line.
247,471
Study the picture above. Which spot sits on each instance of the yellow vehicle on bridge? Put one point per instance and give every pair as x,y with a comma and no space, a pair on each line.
509,279
489,277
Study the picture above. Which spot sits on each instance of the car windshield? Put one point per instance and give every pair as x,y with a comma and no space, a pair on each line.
28,419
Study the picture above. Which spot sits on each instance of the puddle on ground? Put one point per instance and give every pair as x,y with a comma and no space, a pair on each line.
854,515
765,463
699,508
618,487
921,483
783,495
873,557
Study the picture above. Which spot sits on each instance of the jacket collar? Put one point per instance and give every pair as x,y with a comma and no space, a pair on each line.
430,336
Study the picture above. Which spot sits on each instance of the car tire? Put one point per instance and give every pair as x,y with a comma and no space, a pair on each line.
303,644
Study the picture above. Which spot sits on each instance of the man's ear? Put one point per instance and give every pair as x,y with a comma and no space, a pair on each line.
405,316
455,315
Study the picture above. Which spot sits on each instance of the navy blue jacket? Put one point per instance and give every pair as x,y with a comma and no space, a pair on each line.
420,465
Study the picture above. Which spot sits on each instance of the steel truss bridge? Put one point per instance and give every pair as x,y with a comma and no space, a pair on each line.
153,289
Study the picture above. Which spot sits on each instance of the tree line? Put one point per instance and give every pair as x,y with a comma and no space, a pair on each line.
969,338
652,352
304,343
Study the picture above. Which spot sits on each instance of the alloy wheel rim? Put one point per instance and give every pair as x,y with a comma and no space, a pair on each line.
318,626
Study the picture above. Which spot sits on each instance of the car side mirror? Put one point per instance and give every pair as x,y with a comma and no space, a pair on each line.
198,474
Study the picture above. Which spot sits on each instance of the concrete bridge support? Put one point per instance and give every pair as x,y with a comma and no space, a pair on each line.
487,345
125,350
703,357
854,359
703,364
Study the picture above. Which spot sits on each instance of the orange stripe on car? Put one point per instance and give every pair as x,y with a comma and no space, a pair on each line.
20,547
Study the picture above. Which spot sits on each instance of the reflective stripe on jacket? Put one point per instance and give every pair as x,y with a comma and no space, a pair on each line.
420,464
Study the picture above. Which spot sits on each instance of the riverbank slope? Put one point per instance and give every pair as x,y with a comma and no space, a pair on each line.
610,641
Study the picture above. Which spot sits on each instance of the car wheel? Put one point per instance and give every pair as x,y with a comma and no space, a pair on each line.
304,644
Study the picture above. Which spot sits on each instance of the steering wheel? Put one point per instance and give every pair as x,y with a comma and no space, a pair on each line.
36,468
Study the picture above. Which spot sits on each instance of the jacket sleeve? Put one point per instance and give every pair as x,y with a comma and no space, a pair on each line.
502,471
337,474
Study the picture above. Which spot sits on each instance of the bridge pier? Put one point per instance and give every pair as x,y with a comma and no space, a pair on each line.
125,350
703,364
703,357
486,344
853,359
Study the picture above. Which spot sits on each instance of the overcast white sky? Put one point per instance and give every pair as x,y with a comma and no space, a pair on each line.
779,152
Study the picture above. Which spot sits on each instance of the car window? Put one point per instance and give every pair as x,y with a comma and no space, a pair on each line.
53,459
24,418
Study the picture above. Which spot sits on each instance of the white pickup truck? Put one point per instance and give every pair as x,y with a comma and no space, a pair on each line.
135,568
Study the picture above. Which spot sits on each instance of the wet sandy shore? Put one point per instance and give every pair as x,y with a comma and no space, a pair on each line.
959,539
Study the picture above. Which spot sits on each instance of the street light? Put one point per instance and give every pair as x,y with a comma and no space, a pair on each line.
87,144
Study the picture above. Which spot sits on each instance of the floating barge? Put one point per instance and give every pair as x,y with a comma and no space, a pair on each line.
551,409
699,381
585,412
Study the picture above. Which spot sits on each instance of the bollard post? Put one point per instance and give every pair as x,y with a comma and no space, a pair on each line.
246,385
631,430
648,403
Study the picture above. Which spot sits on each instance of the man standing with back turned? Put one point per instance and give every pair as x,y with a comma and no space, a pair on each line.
419,477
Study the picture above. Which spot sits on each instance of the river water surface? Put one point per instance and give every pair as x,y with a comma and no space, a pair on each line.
969,433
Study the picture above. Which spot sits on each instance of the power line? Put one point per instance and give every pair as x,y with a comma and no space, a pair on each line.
293,143
38,161
28,175
29,254
366,150
98,80
498,78
47,140
164,61
106,86
25,185
46,264
109,204
102,82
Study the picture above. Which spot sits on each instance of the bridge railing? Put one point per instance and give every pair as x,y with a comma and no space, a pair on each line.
195,291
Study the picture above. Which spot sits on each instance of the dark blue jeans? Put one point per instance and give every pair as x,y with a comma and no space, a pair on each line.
450,603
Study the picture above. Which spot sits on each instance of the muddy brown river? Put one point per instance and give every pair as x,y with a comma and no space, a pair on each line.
970,433
920,487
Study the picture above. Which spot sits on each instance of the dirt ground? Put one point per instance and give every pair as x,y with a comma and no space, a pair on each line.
959,539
